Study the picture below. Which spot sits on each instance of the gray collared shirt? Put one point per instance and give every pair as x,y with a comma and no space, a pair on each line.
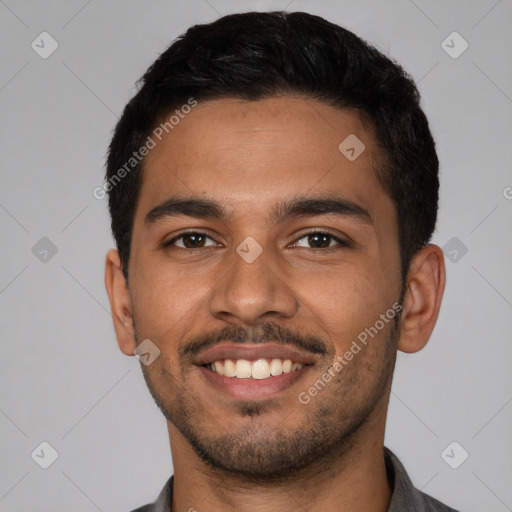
405,497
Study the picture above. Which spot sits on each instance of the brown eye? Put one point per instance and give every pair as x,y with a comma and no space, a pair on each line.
319,240
194,240
191,240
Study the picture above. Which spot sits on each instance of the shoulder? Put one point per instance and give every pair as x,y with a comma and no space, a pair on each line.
433,505
163,502
405,496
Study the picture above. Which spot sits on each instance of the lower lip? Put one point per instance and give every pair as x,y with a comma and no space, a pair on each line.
251,389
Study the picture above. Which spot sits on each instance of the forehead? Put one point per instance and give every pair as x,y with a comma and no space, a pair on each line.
250,154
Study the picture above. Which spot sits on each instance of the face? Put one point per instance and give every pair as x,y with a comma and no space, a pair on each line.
257,239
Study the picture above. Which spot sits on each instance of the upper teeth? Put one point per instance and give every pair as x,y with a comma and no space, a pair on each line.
259,369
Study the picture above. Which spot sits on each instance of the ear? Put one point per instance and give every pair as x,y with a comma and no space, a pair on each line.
425,285
120,303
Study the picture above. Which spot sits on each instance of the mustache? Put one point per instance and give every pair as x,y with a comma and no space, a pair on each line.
269,332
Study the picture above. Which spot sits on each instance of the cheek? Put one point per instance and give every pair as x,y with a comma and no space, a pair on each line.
165,305
343,303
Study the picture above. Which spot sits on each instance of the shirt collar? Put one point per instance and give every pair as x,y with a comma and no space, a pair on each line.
164,500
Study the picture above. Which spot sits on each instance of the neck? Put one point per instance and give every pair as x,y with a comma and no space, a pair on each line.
353,480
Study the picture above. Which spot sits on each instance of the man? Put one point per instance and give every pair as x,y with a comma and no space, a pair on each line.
273,187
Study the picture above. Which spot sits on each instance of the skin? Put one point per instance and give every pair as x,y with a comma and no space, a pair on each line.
272,453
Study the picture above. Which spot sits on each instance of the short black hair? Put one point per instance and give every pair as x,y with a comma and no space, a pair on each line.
257,55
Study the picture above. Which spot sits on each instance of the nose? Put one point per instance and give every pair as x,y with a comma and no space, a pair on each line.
251,292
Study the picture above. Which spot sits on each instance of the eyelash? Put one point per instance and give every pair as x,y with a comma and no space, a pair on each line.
341,243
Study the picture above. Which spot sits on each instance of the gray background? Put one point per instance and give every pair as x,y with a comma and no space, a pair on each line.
62,377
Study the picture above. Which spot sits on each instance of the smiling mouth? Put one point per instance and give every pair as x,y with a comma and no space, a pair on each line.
258,369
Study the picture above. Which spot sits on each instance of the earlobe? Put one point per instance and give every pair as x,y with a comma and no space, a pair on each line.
120,303
422,301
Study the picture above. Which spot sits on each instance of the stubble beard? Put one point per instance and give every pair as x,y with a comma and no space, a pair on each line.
328,430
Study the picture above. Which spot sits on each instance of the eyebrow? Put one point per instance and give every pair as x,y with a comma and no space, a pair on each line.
294,208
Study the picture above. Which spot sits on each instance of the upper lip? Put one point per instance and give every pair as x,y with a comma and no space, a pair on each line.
252,352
